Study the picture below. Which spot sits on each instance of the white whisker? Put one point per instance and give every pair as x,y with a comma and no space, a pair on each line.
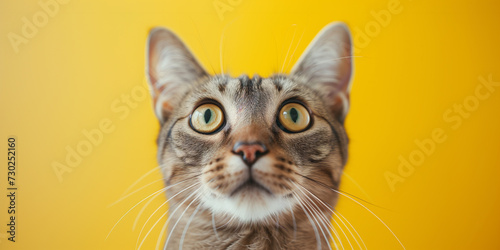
359,236
288,51
177,222
316,233
294,222
162,232
187,226
144,239
229,221
143,209
322,219
215,228
130,194
169,199
203,47
149,185
326,224
357,185
221,46
161,190
293,53
367,209
329,208
140,179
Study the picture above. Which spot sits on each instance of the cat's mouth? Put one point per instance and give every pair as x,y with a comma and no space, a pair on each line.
250,186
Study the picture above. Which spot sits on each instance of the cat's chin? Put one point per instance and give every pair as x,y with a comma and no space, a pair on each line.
250,188
250,203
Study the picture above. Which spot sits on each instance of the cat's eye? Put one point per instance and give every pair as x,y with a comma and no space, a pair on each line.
294,117
207,118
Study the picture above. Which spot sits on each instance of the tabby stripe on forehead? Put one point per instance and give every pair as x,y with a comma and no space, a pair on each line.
277,83
245,84
257,81
222,85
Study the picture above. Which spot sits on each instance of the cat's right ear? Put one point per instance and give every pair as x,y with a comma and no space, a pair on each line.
326,66
171,69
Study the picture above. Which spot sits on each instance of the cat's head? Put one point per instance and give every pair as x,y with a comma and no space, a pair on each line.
250,147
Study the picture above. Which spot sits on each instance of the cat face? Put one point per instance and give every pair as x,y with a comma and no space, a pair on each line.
247,146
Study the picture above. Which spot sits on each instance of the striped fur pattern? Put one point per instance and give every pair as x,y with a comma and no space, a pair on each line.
291,207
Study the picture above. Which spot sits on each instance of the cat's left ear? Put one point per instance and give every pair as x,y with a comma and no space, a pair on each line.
326,65
171,69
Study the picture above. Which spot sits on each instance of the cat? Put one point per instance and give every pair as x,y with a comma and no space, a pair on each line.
251,163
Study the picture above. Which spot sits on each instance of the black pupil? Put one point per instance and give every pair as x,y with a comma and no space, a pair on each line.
294,115
207,115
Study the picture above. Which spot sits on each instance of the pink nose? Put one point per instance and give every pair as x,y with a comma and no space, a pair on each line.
250,151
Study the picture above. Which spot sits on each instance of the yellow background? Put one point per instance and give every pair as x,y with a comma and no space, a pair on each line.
426,59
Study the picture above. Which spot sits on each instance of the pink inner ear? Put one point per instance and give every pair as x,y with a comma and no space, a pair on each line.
326,65
171,68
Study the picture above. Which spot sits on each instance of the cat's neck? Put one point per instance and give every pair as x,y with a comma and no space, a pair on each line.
284,232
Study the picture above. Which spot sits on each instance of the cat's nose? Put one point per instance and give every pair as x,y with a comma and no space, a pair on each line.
250,151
